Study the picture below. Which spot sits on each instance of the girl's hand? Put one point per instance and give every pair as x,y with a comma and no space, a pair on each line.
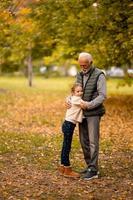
68,103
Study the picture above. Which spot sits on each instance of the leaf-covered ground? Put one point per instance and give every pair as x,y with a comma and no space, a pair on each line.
30,143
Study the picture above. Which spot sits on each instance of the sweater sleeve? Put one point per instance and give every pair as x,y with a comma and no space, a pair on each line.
102,93
76,100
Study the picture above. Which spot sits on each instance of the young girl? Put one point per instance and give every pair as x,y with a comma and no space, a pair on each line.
73,116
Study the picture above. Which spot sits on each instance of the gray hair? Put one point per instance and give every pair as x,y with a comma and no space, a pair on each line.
86,55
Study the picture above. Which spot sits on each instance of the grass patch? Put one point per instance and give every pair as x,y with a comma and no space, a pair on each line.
30,148
39,84
114,88
57,85
106,146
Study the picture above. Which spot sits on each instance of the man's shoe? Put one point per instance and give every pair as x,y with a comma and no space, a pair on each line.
90,174
68,172
83,171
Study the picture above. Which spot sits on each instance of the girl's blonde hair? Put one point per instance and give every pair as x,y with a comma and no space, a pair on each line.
75,86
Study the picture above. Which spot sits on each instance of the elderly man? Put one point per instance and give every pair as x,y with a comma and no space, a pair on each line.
94,93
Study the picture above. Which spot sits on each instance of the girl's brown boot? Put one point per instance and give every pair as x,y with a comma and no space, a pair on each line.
68,172
61,169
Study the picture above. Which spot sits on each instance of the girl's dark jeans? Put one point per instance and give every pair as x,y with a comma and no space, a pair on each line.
68,130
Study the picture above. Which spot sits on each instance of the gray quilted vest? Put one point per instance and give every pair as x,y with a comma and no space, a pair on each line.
90,91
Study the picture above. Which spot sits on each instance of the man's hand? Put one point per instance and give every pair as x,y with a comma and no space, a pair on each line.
84,104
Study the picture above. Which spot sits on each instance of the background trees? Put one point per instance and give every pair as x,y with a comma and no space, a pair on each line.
36,29
102,27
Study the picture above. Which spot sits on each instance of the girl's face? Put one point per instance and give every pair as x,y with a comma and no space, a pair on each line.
78,91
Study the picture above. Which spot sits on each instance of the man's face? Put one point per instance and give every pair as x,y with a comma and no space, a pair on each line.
84,64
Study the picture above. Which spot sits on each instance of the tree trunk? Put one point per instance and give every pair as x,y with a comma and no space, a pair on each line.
29,63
